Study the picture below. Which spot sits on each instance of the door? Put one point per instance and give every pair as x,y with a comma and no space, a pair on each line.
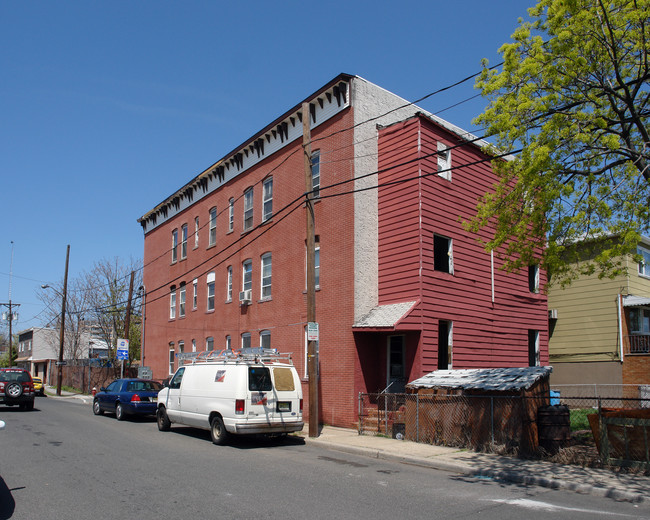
260,390
173,401
396,373
108,397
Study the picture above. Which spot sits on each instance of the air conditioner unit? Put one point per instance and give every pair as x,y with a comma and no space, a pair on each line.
552,314
245,297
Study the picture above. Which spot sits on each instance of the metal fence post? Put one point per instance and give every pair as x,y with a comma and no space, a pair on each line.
359,428
417,417
492,418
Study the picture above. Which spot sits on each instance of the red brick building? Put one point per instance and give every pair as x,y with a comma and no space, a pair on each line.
402,289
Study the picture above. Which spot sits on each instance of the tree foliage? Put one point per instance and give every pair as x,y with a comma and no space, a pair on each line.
571,103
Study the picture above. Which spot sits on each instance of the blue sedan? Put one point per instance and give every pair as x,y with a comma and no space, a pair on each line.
127,397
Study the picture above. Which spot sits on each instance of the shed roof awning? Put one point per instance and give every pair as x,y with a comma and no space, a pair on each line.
384,316
23,358
636,301
493,379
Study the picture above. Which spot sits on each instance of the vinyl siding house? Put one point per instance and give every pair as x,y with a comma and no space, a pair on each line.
402,289
600,329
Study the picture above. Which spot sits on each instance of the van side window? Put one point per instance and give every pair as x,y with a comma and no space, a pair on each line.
176,380
283,379
259,379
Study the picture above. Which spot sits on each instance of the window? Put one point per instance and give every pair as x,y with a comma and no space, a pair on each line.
181,347
229,284
175,383
210,291
193,345
442,257
228,343
248,209
533,278
316,265
172,358
265,339
246,340
315,173
196,232
639,321
212,240
267,199
644,264
181,301
195,293
444,161
174,245
209,343
231,214
184,241
266,276
172,303
445,329
533,348
247,278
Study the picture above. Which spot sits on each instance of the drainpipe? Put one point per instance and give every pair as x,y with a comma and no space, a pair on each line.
620,326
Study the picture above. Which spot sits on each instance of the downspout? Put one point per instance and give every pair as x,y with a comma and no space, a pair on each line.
620,327
492,272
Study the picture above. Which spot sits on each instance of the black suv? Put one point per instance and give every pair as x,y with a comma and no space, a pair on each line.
16,387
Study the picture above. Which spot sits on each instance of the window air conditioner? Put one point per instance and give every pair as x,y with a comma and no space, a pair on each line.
245,297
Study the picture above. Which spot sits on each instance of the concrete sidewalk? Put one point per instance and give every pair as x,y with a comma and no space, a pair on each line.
601,482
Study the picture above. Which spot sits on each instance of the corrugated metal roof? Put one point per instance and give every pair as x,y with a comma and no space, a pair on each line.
493,379
385,315
635,301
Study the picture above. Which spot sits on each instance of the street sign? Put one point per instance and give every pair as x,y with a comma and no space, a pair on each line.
122,349
61,363
312,331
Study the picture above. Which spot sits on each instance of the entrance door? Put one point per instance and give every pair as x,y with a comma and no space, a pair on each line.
396,374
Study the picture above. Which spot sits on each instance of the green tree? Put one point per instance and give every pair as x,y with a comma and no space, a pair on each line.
571,103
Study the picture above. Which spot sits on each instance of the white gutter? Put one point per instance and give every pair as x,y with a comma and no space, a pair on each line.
620,327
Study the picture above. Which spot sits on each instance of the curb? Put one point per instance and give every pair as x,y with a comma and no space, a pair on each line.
508,476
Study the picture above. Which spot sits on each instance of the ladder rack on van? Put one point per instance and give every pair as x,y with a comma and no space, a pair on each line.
256,355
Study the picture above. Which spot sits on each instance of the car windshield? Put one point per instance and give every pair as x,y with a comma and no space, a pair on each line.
143,386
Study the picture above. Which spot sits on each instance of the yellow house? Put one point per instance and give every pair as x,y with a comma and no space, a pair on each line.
599,329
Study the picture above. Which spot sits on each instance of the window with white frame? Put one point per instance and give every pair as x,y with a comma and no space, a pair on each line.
184,241
442,254
193,345
533,348
248,209
315,173
231,214
209,343
181,300
267,199
246,340
265,339
210,287
196,232
317,264
195,293
228,343
172,358
644,264
172,303
266,276
181,347
174,245
212,239
533,278
229,284
247,275
444,161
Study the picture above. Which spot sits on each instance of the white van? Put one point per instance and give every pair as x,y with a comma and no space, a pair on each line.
244,392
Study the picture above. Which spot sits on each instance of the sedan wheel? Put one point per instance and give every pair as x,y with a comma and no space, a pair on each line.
119,412
96,408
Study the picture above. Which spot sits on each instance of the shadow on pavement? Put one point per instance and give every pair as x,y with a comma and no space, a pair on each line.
7,502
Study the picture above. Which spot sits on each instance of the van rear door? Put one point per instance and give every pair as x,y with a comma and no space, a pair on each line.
262,402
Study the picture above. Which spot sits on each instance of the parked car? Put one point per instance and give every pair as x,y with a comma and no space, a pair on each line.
253,391
39,389
16,388
125,397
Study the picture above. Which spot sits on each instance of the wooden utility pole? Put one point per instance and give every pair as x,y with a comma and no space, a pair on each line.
312,354
59,378
127,319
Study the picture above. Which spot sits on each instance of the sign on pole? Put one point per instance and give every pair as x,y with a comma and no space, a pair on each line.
312,331
122,349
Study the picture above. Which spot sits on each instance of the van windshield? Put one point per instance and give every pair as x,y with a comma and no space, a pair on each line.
259,379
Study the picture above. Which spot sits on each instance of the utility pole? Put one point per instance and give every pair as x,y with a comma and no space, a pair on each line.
10,315
59,378
312,354
127,318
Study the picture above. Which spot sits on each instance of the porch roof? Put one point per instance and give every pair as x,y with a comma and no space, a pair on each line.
384,316
636,301
493,379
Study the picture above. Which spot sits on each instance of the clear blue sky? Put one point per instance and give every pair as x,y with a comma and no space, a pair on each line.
106,108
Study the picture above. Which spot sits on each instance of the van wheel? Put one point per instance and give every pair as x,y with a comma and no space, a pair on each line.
164,424
218,430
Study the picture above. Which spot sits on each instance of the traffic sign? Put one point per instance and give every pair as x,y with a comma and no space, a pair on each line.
312,331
